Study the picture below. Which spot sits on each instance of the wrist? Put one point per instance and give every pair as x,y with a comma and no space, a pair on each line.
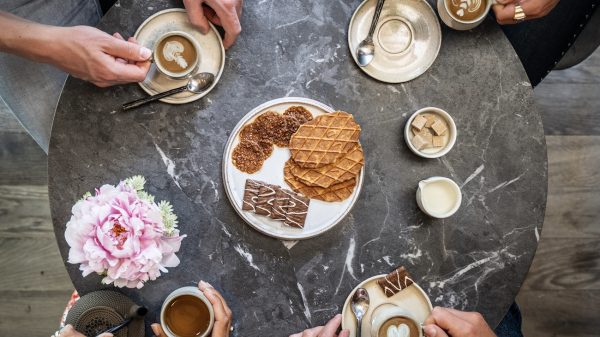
52,44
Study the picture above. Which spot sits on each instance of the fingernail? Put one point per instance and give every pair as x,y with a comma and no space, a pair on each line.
145,52
338,316
155,329
205,284
430,331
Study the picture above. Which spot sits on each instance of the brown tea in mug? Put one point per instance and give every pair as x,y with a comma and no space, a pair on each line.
187,316
404,327
176,54
467,10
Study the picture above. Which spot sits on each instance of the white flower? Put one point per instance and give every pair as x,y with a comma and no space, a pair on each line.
136,182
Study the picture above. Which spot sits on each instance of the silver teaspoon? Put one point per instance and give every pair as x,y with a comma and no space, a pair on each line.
366,49
196,84
360,305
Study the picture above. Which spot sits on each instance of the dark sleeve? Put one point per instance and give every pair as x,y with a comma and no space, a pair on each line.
541,43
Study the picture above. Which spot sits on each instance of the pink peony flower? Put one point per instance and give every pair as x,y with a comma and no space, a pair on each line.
121,233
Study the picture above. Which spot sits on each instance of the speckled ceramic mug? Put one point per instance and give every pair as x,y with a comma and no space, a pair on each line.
193,291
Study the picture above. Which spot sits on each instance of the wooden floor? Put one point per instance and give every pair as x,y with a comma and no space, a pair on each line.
561,296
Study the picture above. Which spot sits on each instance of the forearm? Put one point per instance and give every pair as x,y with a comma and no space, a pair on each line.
28,39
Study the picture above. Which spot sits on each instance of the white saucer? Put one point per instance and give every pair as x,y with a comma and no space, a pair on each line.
212,53
322,216
407,38
412,299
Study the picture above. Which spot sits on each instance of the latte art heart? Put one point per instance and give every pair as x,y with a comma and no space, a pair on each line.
401,330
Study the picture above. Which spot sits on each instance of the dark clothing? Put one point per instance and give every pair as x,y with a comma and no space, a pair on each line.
541,43
511,323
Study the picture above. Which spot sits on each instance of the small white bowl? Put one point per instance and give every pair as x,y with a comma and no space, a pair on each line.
432,153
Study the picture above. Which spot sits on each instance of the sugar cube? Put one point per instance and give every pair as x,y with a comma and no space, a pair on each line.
419,122
439,127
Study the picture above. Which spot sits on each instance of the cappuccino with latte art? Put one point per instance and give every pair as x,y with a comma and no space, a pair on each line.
467,10
399,327
176,54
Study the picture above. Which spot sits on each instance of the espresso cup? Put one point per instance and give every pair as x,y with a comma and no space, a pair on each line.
187,312
393,321
176,54
453,20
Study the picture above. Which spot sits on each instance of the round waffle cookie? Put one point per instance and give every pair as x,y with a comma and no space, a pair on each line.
346,168
324,140
337,192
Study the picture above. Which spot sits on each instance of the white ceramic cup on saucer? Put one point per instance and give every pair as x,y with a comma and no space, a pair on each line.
387,311
193,291
432,152
439,197
455,23
176,54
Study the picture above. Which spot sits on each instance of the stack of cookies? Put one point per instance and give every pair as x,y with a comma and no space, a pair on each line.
268,129
326,157
275,202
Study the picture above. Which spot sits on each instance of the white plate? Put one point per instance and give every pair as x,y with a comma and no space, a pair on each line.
322,215
412,299
407,38
212,53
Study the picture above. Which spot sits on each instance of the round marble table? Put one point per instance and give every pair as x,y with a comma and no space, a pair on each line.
476,260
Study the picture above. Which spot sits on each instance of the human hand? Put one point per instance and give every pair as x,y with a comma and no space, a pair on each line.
329,330
69,331
223,314
225,13
444,322
92,55
533,9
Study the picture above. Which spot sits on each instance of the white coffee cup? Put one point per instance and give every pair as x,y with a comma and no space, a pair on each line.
387,311
455,23
190,69
193,291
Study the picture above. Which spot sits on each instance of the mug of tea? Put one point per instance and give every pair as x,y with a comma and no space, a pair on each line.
176,54
186,312
464,14
393,321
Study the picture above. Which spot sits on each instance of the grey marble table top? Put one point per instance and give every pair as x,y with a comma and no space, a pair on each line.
475,260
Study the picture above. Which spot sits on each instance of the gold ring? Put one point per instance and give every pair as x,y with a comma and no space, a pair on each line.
519,14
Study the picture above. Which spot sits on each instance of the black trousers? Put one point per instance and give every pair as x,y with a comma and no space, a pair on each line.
541,43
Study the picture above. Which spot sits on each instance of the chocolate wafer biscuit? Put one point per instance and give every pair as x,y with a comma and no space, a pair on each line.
295,209
251,191
395,282
265,199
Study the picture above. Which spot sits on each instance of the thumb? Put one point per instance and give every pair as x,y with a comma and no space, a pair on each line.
157,329
106,334
433,330
196,15
127,50
344,333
